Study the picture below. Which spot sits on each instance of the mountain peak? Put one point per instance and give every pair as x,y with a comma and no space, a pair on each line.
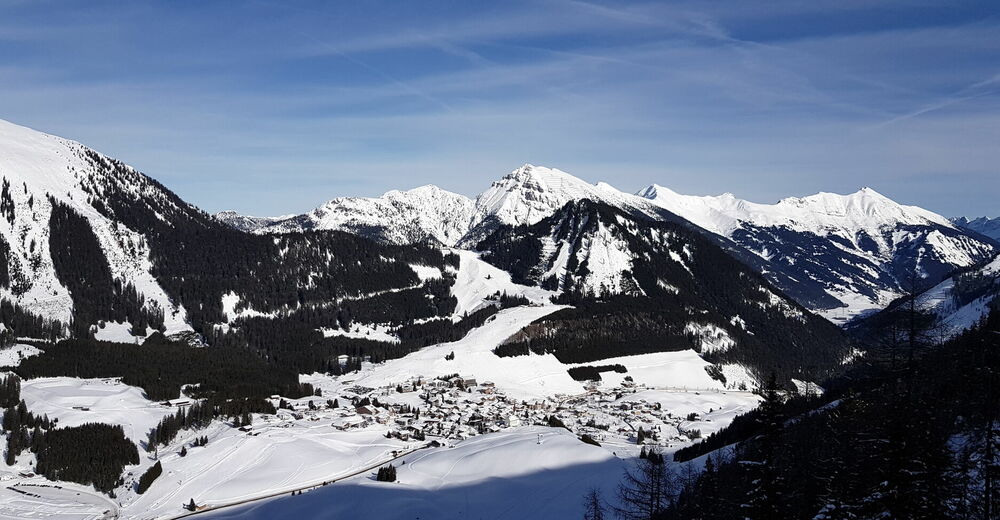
531,193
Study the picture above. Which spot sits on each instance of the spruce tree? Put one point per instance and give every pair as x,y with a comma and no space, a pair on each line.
593,505
645,493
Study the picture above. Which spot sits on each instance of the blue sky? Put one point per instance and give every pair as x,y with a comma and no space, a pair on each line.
273,107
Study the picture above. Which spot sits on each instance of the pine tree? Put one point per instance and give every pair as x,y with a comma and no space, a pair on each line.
765,499
646,492
593,505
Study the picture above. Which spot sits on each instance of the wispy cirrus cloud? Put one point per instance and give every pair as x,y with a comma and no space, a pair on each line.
273,108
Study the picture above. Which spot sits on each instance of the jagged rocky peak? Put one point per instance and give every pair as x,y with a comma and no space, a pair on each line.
989,227
246,223
427,213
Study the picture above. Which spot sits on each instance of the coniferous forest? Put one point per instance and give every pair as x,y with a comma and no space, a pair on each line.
911,433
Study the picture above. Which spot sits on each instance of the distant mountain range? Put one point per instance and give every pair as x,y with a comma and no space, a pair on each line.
839,255
989,227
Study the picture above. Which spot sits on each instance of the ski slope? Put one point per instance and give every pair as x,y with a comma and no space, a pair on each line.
521,377
476,281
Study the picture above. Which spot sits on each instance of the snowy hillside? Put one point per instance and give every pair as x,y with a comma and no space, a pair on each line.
865,211
531,193
861,246
510,475
39,169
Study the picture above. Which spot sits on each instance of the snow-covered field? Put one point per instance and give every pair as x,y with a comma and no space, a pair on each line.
41,499
508,475
77,401
235,465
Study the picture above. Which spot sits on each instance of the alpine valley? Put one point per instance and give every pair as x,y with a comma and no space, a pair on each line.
427,354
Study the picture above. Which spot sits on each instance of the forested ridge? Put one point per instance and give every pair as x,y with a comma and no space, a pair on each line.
911,433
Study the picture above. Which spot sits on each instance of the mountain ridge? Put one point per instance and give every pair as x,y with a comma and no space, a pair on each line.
841,255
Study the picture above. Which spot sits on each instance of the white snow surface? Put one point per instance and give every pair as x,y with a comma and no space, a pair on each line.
531,193
854,221
107,400
39,498
119,333
522,377
524,196
230,302
363,331
427,212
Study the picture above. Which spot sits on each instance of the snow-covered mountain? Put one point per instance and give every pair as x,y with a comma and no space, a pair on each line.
860,247
397,217
247,223
989,227
40,172
962,300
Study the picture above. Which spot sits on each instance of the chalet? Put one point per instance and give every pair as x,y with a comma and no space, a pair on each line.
346,423
512,421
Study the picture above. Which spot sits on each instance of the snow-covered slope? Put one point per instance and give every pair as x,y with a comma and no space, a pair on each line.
526,473
860,246
985,226
37,170
962,300
823,213
531,193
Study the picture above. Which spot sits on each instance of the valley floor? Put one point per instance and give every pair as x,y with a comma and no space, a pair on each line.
491,455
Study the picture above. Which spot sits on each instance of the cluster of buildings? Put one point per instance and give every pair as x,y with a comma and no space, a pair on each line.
456,407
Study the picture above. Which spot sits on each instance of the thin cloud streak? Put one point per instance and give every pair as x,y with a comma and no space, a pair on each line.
703,98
